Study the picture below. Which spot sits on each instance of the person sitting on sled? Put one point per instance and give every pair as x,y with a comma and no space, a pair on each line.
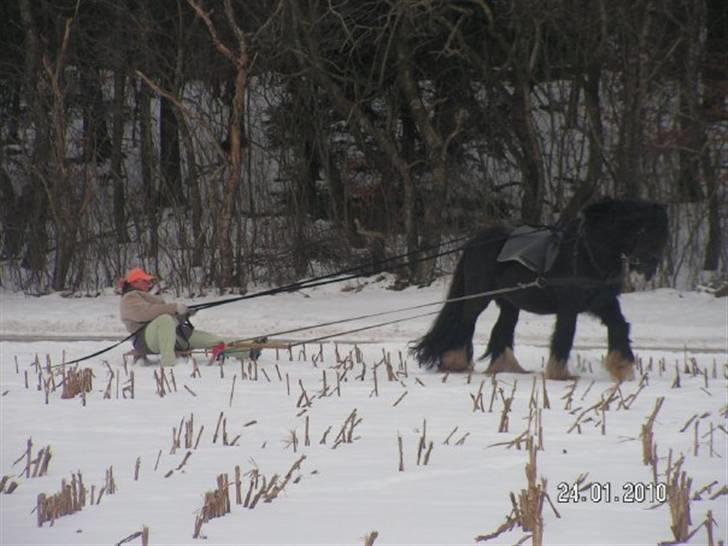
163,328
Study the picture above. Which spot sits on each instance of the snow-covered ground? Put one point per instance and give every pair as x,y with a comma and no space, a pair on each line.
344,490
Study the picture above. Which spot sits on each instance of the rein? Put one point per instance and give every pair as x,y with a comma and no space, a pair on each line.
356,272
521,286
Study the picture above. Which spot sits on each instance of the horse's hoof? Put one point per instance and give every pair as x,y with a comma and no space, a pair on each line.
558,370
455,360
620,368
506,362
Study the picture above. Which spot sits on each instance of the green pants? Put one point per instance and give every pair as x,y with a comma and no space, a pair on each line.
160,336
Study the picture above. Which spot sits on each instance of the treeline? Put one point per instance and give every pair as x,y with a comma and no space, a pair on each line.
223,142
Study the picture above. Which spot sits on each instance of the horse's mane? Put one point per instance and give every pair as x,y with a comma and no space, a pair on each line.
634,227
627,211
610,205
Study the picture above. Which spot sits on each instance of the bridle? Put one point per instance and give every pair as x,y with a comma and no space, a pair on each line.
631,259
581,237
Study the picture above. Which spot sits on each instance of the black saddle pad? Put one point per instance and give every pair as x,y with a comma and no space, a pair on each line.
535,248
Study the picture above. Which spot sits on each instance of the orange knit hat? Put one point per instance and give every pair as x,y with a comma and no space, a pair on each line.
137,274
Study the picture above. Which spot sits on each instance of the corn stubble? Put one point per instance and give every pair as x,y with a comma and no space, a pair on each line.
527,506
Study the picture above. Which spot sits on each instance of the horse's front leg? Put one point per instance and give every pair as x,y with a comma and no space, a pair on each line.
620,360
561,342
500,345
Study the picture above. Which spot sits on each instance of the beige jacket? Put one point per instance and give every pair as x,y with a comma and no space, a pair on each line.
138,308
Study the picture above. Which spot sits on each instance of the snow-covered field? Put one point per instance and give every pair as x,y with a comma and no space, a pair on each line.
350,483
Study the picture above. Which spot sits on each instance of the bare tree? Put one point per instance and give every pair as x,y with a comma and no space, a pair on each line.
239,57
37,241
435,141
417,118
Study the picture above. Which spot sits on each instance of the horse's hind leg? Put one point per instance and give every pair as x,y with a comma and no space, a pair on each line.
561,343
620,360
500,344
460,358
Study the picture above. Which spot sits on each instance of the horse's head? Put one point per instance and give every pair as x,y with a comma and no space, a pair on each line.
634,229
650,240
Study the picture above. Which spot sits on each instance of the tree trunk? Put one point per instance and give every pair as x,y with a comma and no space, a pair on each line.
409,204
37,240
715,84
11,216
195,200
595,167
234,172
634,90
433,205
531,161
629,161
715,70
149,192
595,135
693,137
97,145
117,156
67,195
118,122
170,190
231,184
337,205
715,242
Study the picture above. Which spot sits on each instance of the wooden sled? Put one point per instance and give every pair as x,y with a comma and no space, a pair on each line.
242,345
251,345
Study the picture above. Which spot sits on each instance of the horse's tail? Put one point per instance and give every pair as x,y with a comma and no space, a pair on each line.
448,330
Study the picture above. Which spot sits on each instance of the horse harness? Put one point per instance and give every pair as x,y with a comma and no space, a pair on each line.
581,236
537,249
532,247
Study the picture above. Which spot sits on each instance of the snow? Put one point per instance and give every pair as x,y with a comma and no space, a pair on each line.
341,494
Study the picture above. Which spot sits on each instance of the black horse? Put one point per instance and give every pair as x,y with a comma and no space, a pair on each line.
586,275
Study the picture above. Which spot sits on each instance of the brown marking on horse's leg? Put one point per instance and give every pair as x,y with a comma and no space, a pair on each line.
619,367
557,369
506,362
455,360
